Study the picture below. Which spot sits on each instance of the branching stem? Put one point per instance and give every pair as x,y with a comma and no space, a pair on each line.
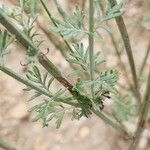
126,41
144,60
143,116
51,68
54,23
6,146
91,42
30,84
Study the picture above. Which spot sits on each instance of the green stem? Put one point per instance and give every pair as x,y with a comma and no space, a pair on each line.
33,8
22,38
24,81
144,60
44,92
122,65
116,47
54,38
5,146
111,122
59,44
91,42
82,4
54,23
54,71
30,84
118,54
143,116
126,41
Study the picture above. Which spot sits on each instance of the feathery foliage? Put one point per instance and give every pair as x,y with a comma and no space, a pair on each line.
71,26
124,108
26,23
5,41
92,87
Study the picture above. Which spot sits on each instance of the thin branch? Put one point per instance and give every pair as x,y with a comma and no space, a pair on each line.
54,23
126,40
31,84
82,3
54,71
122,65
24,81
51,68
144,60
55,40
143,116
91,42
6,146
59,44
120,62
111,122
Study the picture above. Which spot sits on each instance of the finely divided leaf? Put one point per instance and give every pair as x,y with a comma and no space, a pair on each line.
5,41
71,26
124,108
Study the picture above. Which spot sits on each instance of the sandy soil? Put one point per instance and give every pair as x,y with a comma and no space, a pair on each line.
16,127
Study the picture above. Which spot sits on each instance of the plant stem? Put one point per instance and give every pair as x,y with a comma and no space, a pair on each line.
53,70
24,81
59,44
143,116
126,40
120,62
30,84
54,23
47,64
144,60
5,146
82,3
33,8
122,65
111,122
22,38
91,42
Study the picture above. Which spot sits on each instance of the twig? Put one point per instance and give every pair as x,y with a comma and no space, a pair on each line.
91,42
6,146
143,116
111,122
126,40
144,60
24,81
120,62
53,21
30,84
55,40
83,4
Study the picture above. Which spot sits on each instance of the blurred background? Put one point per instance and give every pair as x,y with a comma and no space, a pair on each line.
16,127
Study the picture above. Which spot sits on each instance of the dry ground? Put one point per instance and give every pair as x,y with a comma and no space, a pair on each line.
16,127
